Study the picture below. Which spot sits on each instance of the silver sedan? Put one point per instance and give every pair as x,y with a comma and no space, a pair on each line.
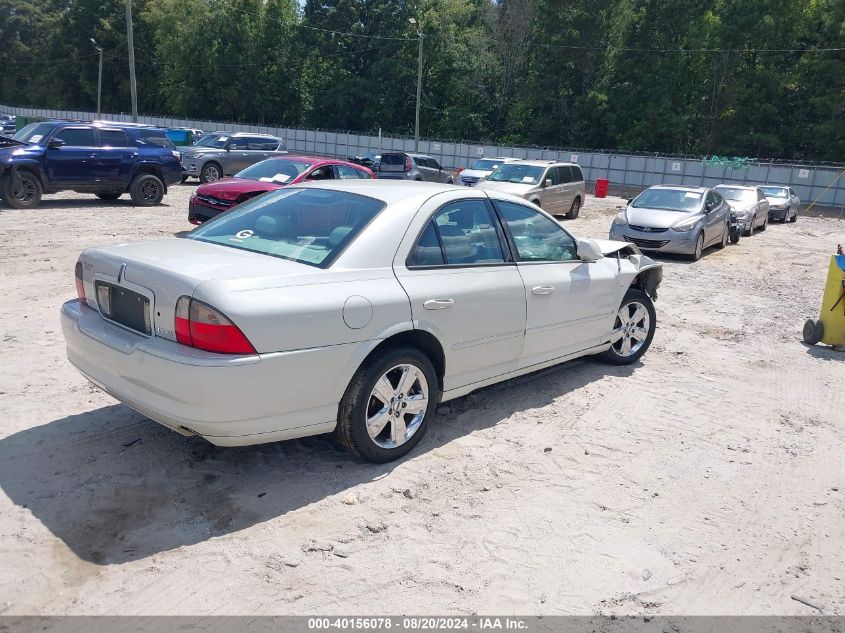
674,219
750,205
349,306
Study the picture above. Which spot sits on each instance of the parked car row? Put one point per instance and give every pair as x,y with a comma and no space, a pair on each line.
8,124
688,220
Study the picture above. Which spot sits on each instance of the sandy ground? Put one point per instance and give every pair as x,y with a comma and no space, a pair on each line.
707,479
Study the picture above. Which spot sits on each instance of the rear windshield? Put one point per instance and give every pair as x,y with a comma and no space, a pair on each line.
741,195
309,226
151,137
486,164
277,170
668,200
774,192
393,159
517,173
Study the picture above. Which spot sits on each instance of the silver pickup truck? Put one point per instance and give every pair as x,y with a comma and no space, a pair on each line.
221,154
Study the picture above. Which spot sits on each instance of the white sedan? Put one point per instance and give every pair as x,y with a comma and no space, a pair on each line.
352,307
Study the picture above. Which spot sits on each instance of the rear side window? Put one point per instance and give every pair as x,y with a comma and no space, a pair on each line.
76,136
113,138
156,138
465,233
537,238
564,174
309,226
577,174
271,146
345,172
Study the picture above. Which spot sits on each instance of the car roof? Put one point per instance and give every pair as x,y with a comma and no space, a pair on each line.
224,133
743,187
680,188
544,163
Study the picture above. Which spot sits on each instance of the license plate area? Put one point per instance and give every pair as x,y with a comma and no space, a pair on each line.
124,307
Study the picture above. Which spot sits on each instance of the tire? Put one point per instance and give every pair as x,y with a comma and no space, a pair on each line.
27,194
735,235
108,195
575,209
210,172
184,179
765,223
812,332
537,202
362,403
785,217
794,218
451,181
726,236
699,248
635,305
749,232
146,190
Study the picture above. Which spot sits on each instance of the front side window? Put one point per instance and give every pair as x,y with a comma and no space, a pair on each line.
537,238
76,136
465,234
309,226
217,141
551,174
321,173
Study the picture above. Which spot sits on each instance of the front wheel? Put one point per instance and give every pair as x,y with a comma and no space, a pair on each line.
633,329
765,223
210,172
146,190
26,193
699,248
387,406
794,218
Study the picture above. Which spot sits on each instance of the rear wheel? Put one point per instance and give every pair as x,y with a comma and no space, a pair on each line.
575,209
146,190
108,195
633,329
794,217
184,178
387,406
25,193
725,237
210,172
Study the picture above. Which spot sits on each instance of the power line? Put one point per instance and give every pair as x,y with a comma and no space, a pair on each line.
693,50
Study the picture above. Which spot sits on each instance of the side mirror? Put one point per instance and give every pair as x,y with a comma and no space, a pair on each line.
56,143
630,200
589,251
547,183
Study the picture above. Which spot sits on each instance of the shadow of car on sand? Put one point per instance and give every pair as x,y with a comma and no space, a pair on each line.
116,487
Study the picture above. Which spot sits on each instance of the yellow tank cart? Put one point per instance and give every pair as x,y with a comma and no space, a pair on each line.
830,327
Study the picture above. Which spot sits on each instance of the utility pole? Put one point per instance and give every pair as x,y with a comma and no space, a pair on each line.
99,75
133,88
419,84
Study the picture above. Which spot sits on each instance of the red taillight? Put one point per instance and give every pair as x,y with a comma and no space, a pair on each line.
80,286
201,326
407,163
460,169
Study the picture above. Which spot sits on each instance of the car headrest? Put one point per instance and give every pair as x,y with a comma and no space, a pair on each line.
338,234
274,228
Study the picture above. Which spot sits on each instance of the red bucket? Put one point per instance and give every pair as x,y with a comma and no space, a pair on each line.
601,187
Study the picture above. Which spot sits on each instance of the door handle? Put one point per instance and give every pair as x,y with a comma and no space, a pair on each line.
438,304
542,290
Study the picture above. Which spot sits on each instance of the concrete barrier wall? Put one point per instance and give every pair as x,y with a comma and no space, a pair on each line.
811,182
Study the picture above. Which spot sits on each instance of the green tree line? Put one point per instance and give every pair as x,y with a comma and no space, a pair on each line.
757,78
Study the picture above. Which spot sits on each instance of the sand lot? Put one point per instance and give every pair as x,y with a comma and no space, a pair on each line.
707,479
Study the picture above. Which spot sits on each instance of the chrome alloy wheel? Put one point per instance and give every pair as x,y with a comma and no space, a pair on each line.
397,406
631,328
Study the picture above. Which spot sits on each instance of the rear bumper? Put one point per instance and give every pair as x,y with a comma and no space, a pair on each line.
393,175
668,241
229,400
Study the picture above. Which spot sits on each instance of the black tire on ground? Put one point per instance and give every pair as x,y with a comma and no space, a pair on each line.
351,431
26,194
785,217
184,179
812,332
210,172
750,231
108,195
146,190
726,236
735,235
575,209
794,217
633,297
699,248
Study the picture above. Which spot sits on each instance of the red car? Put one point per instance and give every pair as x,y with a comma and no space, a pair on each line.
216,197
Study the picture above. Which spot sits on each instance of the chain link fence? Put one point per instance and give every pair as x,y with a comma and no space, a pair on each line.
812,182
